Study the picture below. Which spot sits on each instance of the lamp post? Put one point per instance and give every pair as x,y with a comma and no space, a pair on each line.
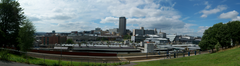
61,51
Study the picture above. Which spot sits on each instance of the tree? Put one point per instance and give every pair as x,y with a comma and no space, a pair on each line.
233,29
11,17
69,41
222,34
203,45
127,37
217,46
209,39
2,36
26,36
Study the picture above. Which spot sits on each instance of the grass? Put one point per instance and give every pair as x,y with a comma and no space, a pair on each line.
49,62
229,57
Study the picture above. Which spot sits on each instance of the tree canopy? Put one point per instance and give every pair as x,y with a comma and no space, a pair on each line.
69,41
26,36
11,17
222,34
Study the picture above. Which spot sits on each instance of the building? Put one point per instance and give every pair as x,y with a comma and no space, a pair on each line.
149,32
173,38
52,38
141,31
122,26
82,37
114,30
98,29
87,32
138,32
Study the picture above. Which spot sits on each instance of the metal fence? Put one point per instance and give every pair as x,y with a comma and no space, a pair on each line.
113,59
73,58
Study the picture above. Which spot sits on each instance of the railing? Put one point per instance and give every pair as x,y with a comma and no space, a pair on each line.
114,59
73,58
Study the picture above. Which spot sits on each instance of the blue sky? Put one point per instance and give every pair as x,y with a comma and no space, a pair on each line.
185,17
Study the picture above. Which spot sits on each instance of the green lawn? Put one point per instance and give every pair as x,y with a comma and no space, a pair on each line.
48,62
225,58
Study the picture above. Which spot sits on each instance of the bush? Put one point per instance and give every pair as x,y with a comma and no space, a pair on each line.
55,64
4,55
42,63
217,46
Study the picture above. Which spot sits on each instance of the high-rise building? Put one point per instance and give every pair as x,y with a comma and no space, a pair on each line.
122,26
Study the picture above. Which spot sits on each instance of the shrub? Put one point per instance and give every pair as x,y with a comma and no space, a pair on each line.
4,55
217,46
42,63
55,64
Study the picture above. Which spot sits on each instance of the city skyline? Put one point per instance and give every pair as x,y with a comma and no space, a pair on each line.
185,17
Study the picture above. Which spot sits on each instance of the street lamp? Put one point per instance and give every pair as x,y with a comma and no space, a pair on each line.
61,50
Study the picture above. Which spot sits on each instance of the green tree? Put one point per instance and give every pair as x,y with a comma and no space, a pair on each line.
26,35
209,39
221,33
69,41
2,36
233,29
127,37
11,17
217,46
203,45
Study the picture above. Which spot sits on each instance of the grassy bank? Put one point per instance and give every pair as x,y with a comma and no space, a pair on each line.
229,57
48,62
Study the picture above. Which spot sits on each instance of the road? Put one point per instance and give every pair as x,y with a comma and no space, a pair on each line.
9,63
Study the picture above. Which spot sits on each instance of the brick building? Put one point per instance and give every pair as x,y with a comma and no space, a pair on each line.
53,39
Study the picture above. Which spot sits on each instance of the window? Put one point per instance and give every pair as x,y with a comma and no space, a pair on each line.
44,40
47,41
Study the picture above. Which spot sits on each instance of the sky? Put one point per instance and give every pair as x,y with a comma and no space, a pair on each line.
181,17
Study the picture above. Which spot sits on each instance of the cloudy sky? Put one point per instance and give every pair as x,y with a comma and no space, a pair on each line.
188,17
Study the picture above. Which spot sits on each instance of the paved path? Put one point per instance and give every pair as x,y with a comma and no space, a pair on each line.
9,63
133,62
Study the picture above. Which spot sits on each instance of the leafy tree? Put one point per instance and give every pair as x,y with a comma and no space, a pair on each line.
2,36
233,28
11,17
221,33
217,46
69,41
209,37
127,37
203,45
26,36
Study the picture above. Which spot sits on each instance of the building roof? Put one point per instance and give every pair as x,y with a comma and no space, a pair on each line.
171,37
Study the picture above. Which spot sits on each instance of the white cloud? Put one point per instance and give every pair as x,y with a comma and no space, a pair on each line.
109,20
207,5
238,18
186,30
80,15
231,14
219,8
202,28
185,18
223,1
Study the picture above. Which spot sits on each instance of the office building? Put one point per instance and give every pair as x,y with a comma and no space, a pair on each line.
149,32
138,32
115,30
141,31
122,26
52,38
